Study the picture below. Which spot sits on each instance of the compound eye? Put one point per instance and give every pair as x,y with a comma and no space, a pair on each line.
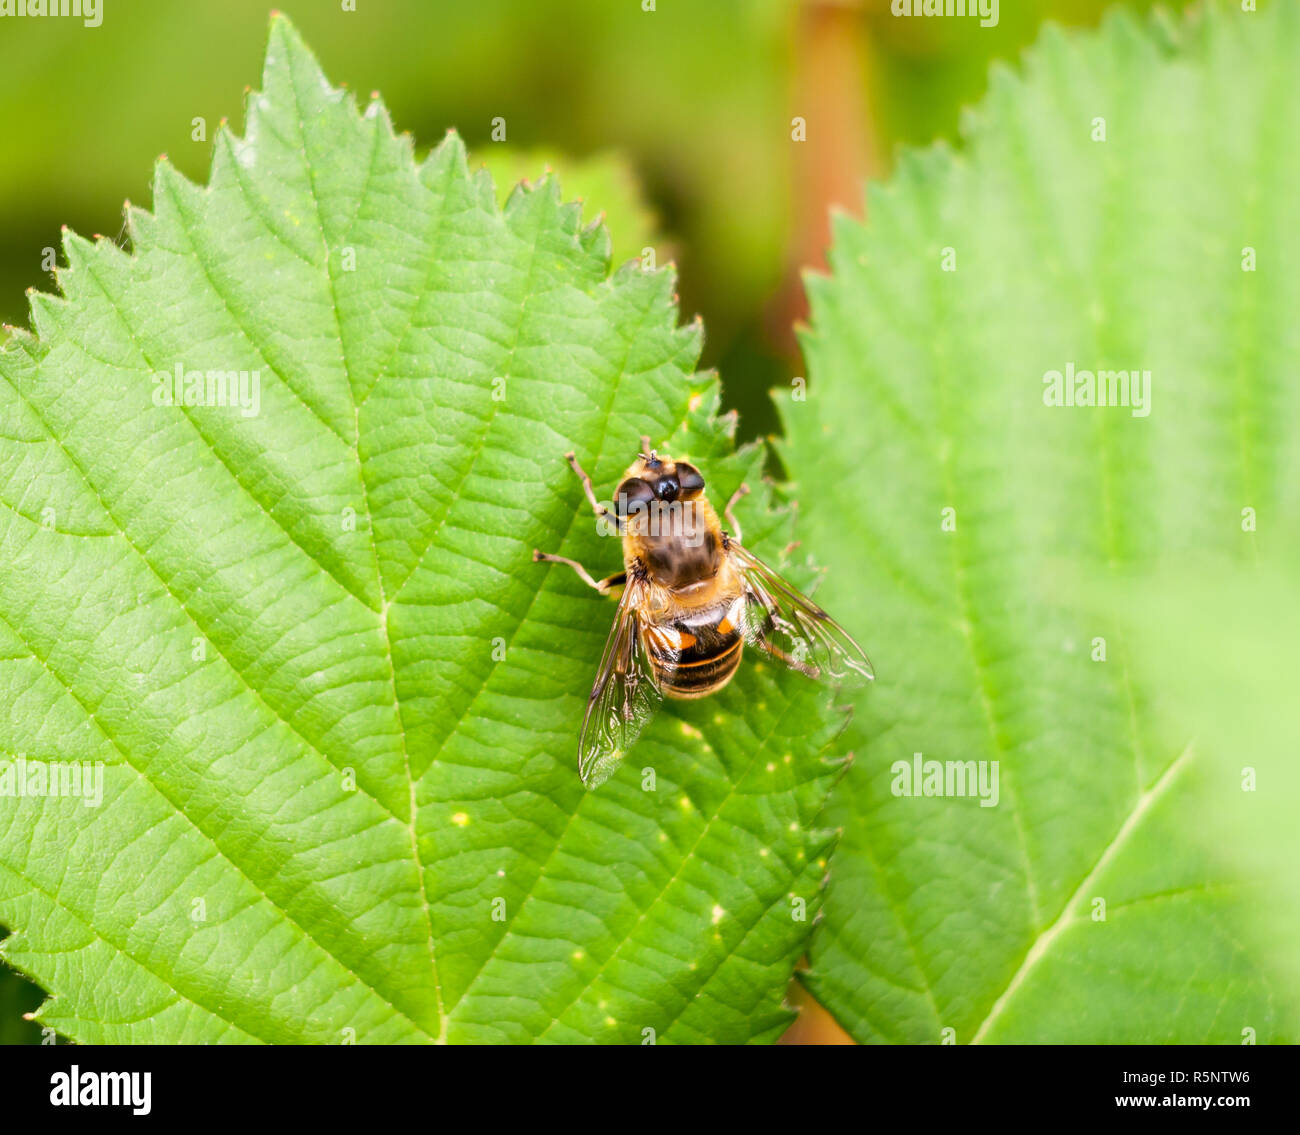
633,495
688,477
666,488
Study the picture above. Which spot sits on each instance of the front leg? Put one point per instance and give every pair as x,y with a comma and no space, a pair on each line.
599,509
734,524
602,585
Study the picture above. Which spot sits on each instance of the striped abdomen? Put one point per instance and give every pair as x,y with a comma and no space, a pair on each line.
696,655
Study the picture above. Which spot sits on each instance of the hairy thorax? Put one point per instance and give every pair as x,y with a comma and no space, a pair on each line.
679,545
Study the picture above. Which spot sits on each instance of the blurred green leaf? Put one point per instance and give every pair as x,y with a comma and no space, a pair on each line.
335,701
1220,649
927,394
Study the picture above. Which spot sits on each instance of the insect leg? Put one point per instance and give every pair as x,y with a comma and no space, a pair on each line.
738,495
601,585
598,508
790,660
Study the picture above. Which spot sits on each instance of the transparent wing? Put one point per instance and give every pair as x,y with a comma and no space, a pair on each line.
625,695
792,628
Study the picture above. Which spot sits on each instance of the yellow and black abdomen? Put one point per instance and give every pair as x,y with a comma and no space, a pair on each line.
694,657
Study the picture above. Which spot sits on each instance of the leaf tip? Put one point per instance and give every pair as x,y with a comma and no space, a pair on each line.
278,21
450,149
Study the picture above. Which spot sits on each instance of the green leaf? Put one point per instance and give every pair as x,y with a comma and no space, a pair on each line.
926,393
603,182
1245,627
18,997
335,702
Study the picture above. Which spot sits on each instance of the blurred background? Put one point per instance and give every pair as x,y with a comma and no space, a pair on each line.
679,123
686,109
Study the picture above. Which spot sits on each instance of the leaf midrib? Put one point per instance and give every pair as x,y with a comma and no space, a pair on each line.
1043,943
413,810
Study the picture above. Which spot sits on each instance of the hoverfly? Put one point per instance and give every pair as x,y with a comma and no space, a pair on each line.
693,597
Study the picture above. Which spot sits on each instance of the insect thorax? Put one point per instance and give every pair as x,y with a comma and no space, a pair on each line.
679,543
